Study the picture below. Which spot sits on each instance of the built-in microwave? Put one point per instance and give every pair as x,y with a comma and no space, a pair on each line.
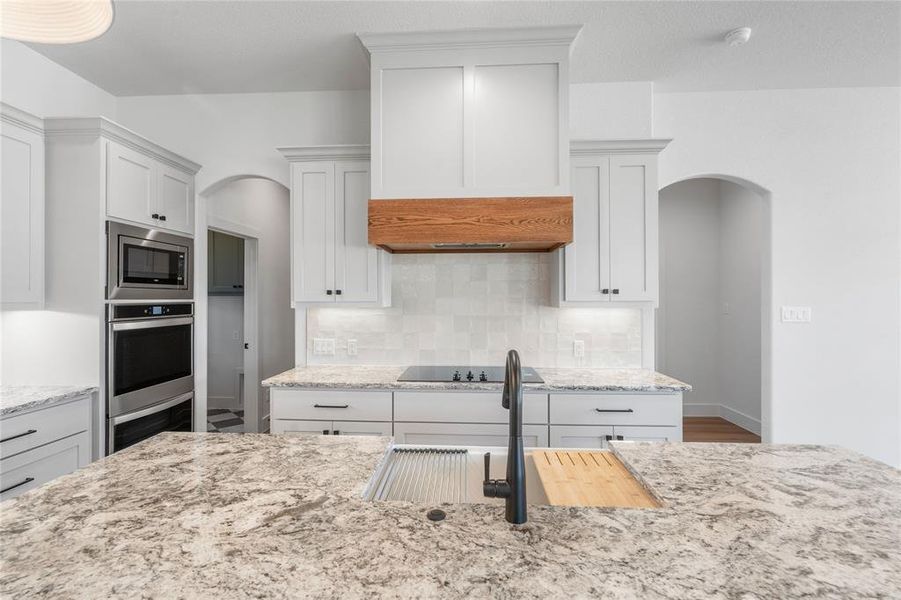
147,264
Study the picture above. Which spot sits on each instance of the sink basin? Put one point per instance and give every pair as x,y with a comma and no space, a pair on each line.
559,477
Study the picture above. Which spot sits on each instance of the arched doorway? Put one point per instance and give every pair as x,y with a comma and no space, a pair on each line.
253,212
713,321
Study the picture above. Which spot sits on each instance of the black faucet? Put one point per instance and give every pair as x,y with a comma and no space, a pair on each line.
513,488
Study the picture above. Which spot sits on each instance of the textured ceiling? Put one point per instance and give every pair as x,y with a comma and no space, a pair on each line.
178,47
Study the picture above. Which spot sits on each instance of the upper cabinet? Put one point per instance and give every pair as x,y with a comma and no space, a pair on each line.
144,183
613,257
472,113
22,218
332,262
225,260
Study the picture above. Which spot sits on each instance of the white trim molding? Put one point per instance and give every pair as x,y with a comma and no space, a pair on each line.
595,147
25,120
724,412
325,153
559,35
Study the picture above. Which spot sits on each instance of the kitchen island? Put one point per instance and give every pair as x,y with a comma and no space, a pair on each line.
194,515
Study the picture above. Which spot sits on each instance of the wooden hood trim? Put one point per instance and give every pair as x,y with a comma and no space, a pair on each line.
521,224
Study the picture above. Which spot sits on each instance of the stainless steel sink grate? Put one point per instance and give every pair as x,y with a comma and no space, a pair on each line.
423,475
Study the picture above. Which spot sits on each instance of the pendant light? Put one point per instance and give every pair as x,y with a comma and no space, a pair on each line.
55,21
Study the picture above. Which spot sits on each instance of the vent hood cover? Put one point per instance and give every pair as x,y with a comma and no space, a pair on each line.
506,224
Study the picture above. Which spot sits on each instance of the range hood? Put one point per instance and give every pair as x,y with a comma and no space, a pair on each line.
523,224
470,143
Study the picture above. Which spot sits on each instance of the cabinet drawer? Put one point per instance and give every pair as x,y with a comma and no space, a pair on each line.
24,432
465,407
616,409
647,434
580,436
30,469
331,405
300,427
459,434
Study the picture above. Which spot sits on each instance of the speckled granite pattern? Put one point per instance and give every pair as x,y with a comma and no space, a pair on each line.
16,399
384,377
237,516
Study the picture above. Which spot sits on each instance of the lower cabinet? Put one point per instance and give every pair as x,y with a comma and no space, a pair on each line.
299,427
597,436
470,434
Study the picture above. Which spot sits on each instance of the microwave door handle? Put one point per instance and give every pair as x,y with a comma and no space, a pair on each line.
152,409
152,323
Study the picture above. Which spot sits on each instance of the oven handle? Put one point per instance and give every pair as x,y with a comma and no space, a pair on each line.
151,409
150,324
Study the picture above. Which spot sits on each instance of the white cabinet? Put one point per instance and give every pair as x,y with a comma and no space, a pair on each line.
332,261
225,258
475,113
465,407
582,436
647,434
39,446
22,201
467,434
145,190
330,412
613,256
310,427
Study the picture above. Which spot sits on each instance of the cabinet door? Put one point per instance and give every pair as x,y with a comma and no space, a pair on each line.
460,434
295,427
356,262
580,436
587,259
131,184
313,231
647,434
175,203
22,216
33,468
226,263
633,227
361,428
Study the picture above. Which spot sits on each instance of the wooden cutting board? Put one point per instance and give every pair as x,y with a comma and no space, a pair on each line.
589,478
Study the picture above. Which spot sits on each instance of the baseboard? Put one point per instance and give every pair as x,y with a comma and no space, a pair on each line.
741,419
700,410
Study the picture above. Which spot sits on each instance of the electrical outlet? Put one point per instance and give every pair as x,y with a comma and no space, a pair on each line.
796,314
351,347
579,349
324,346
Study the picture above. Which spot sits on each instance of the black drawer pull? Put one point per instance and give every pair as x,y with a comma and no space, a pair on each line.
18,435
614,410
15,485
331,405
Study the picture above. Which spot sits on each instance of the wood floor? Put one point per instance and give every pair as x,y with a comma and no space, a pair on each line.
715,429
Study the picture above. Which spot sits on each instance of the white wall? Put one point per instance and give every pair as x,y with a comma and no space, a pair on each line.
34,83
611,111
830,158
262,205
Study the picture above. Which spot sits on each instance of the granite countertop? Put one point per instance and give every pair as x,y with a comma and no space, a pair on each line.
16,399
384,377
194,515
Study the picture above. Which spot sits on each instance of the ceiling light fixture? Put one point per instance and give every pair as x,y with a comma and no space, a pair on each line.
55,21
738,37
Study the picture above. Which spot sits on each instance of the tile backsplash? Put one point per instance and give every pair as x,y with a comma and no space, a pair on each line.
469,309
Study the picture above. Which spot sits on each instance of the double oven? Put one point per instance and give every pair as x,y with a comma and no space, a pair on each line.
150,334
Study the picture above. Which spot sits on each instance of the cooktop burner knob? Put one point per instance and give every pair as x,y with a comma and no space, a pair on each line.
470,376
456,376
482,376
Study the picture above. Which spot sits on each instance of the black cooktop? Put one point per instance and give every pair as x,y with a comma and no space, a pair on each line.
464,374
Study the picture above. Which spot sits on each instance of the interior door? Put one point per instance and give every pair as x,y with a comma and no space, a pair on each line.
587,259
356,262
130,185
176,199
633,228
313,231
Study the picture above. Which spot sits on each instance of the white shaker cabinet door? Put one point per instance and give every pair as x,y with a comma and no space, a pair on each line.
587,271
580,436
299,427
22,217
361,428
647,434
131,185
356,262
467,434
633,228
313,231
175,203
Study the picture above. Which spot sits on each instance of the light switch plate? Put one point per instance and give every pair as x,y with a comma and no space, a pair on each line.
796,314
324,346
579,348
351,347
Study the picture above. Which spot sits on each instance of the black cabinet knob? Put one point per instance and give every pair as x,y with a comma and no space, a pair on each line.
328,292
615,290
162,217
325,432
336,432
605,291
338,292
155,216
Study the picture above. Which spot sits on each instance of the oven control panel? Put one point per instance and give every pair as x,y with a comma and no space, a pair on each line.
119,312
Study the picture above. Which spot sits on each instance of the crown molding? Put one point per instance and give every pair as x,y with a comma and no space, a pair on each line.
558,35
593,147
102,127
14,116
316,153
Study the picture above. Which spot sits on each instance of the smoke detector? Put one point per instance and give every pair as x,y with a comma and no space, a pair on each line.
738,37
